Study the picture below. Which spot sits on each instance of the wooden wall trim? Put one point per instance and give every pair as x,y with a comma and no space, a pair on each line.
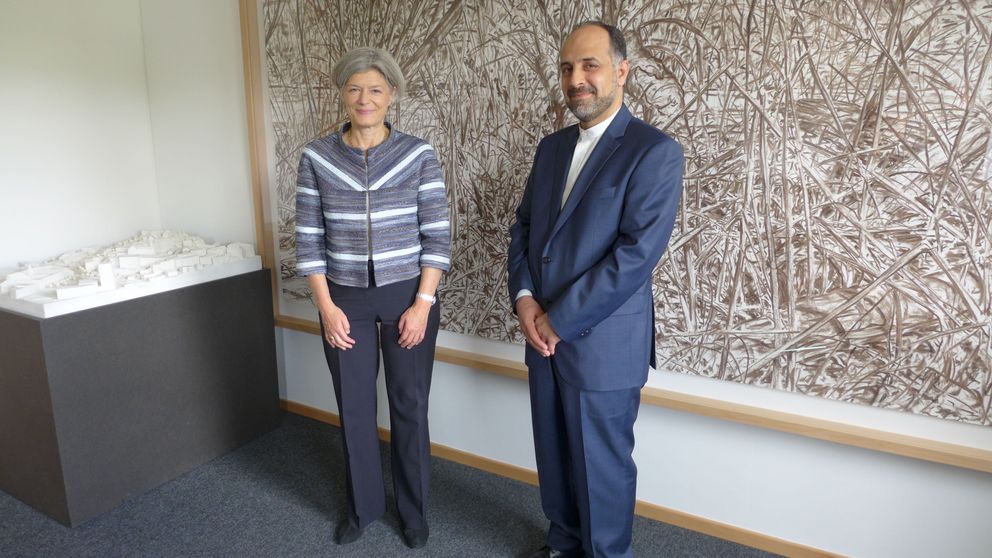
678,518
257,151
822,429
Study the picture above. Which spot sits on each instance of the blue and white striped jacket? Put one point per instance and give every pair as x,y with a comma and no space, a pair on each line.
392,210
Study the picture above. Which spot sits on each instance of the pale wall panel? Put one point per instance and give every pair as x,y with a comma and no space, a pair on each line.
199,125
76,161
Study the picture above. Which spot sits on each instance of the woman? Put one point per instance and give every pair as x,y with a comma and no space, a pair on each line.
373,238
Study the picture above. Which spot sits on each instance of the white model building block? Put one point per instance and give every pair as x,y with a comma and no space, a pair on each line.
129,262
13,280
73,291
240,250
29,291
35,280
165,266
187,261
18,292
47,275
12,292
165,245
141,250
206,260
106,272
217,250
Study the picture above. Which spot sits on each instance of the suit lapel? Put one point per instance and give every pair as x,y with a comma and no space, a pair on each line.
604,149
563,158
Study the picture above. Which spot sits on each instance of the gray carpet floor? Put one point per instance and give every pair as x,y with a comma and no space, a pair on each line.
281,496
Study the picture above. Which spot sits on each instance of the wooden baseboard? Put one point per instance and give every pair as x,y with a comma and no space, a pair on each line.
729,532
659,513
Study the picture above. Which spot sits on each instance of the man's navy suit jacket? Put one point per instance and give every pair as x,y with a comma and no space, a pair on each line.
589,264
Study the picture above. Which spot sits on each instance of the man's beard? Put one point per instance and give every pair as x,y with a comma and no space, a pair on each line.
588,109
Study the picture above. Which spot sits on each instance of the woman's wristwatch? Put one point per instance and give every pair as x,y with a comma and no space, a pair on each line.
426,297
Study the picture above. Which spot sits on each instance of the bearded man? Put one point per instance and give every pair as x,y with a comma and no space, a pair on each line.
594,221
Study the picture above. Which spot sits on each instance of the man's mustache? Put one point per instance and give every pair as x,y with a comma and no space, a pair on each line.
573,91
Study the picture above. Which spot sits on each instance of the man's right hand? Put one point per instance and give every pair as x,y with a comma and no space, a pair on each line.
528,311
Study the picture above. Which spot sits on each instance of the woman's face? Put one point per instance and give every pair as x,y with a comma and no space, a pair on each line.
367,96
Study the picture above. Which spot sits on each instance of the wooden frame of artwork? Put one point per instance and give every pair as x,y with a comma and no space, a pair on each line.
830,430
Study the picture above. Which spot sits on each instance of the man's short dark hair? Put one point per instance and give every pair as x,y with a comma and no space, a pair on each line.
618,46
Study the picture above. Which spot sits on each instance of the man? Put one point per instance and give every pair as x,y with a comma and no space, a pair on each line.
595,219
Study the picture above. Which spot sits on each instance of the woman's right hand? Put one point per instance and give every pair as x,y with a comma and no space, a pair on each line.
337,328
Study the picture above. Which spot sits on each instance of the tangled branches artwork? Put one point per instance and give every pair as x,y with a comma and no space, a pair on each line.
834,237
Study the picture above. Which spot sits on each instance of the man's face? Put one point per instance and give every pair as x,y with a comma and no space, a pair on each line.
591,82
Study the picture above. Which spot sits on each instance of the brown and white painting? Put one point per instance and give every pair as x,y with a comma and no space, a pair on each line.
834,237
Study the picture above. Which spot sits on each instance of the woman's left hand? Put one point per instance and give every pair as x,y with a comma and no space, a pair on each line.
413,324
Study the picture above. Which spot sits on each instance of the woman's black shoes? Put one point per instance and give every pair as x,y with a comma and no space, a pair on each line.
415,538
348,533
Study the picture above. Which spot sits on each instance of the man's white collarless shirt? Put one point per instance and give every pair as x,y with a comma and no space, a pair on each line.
588,138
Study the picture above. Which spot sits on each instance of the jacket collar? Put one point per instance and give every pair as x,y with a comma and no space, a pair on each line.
356,152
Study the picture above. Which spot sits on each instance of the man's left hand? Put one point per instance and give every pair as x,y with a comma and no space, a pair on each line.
547,332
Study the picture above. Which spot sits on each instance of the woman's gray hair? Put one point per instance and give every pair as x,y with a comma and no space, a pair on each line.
363,59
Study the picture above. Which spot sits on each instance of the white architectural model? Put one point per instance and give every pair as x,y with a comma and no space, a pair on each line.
147,263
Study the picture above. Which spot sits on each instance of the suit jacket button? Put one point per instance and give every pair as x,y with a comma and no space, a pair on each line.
586,332
546,259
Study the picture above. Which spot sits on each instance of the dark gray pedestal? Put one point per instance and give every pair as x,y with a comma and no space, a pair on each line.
101,405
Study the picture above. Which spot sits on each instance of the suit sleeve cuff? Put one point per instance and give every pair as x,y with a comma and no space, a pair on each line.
565,330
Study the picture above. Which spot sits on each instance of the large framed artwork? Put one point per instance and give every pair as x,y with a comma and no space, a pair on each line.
835,235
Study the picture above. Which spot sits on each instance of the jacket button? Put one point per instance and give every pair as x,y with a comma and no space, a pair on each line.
546,259
586,332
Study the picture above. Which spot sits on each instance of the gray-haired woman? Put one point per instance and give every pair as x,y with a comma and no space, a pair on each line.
373,238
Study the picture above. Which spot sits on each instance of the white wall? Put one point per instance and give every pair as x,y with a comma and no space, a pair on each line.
838,498
196,93
76,162
117,116
848,500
